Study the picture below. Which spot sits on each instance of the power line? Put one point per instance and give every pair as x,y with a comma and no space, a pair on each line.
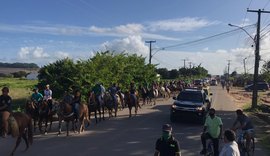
206,38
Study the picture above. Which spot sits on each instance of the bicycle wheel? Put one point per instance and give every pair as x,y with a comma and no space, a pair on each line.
250,151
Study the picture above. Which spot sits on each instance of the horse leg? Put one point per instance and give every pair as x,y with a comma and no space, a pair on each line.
96,116
130,111
67,126
26,141
40,125
19,139
46,125
116,109
103,112
59,126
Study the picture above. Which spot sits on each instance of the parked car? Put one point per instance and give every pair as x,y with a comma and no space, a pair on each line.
190,103
260,86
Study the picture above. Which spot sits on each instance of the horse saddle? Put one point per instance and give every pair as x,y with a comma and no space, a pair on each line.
13,126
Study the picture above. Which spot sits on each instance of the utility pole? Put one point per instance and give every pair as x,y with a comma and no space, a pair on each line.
184,62
229,63
190,64
150,50
257,58
245,70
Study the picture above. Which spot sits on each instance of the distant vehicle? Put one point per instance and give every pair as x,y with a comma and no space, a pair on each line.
198,82
260,86
213,82
190,103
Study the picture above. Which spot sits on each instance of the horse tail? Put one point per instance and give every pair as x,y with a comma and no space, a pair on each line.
30,131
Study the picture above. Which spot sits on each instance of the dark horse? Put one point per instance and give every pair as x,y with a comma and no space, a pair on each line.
66,113
31,109
95,104
112,103
20,126
132,101
45,115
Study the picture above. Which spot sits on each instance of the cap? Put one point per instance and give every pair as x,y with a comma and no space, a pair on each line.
47,85
167,127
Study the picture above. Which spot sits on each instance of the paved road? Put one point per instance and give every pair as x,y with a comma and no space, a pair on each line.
123,136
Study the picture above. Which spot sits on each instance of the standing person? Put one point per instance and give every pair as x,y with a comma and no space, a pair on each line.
48,96
212,130
230,147
167,145
5,110
228,87
245,125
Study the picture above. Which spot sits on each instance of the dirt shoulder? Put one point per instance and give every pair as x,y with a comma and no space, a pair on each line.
260,116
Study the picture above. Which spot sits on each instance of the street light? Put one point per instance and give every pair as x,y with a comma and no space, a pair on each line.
157,51
257,61
253,39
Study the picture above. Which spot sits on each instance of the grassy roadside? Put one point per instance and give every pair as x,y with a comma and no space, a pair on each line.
261,120
20,90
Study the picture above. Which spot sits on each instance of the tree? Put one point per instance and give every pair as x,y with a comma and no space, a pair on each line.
105,67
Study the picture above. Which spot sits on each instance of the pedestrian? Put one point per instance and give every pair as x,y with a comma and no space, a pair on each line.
230,147
167,145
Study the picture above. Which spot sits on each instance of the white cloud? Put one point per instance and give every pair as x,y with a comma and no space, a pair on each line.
180,24
32,53
131,44
61,55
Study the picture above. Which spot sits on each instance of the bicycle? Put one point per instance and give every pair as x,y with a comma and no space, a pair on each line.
209,148
242,144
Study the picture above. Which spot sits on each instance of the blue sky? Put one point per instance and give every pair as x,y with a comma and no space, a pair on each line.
43,31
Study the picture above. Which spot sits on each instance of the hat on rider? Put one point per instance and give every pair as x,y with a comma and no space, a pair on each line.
167,128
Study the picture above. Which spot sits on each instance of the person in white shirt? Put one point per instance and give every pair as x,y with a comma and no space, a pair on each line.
48,96
230,147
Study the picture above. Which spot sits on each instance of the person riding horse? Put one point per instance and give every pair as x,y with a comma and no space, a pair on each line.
76,101
48,96
5,110
113,91
36,97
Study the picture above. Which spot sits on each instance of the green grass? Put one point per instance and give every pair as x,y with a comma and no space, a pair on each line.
19,89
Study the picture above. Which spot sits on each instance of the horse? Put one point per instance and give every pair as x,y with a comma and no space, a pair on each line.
132,101
20,126
31,109
66,113
165,92
111,103
95,104
46,114
153,95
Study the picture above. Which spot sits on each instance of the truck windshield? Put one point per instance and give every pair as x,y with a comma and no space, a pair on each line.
190,96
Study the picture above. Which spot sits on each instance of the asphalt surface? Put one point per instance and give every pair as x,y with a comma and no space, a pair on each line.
124,136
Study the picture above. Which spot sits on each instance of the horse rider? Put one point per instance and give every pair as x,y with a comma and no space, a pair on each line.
76,101
97,91
113,90
48,96
68,97
5,110
36,97
133,92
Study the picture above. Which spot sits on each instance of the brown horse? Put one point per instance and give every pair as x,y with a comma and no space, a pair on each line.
66,113
31,109
132,101
20,126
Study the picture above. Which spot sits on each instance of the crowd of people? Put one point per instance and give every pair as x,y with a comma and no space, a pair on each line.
166,145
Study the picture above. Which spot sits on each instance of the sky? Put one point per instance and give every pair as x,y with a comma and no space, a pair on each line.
197,31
